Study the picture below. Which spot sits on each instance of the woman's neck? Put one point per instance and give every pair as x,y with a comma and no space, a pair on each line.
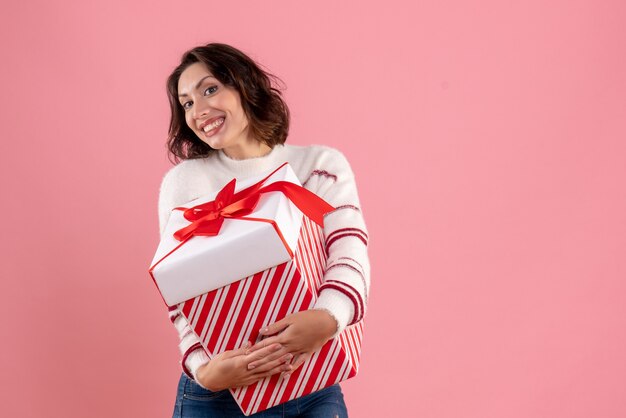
252,165
251,149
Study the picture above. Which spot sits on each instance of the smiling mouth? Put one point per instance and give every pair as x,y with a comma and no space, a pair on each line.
218,122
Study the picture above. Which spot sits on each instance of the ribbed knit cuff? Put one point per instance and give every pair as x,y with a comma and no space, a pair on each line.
193,359
338,305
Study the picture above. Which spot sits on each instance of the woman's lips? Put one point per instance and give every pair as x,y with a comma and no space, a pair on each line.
216,129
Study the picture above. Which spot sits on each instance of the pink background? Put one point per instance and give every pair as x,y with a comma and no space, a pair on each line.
488,145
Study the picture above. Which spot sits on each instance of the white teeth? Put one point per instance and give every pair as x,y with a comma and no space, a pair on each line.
213,125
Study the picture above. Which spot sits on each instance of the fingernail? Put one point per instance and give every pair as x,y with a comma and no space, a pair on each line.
251,366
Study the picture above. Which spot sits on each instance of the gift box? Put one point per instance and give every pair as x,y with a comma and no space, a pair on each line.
246,227
247,256
224,319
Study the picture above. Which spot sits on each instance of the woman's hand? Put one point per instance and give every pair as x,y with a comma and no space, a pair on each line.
230,368
300,334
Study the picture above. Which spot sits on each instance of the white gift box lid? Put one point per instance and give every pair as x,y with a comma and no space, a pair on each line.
240,249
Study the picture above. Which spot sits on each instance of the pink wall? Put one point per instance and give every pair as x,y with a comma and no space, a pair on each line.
488,145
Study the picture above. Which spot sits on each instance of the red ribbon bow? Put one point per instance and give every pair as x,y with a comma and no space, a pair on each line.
207,218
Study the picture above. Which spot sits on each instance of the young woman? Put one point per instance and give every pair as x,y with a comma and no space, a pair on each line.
228,121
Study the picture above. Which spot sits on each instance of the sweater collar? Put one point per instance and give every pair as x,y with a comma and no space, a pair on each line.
251,166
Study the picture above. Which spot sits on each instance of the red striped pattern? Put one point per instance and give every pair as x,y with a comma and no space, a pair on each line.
184,360
346,232
343,207
225,318
350,292
322,173
358,270
173,318
353,260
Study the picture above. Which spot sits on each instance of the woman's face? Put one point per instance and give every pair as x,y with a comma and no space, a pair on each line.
212,110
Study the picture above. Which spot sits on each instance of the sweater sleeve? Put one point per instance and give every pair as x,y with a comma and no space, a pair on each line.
346,281
193,355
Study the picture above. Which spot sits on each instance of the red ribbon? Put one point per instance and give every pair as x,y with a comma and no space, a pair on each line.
207,218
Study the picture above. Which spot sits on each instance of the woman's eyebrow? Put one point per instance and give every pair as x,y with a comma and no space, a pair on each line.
197,85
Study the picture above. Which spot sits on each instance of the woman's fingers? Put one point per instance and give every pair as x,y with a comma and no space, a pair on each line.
276,327
260,376
266,355
300,359
297,362
263,344
277,366
262,356
277,363
237,352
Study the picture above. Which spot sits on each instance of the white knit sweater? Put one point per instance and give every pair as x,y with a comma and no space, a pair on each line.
324,171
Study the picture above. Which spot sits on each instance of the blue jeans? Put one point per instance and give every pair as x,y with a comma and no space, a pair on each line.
193,401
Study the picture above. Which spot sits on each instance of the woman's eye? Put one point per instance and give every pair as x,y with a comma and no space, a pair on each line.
209,90
212,87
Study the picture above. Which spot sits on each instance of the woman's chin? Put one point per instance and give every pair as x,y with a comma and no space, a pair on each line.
213,143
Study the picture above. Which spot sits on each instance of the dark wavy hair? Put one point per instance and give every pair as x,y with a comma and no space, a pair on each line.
267,112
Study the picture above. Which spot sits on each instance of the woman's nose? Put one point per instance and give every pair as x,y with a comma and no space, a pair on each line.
200,109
